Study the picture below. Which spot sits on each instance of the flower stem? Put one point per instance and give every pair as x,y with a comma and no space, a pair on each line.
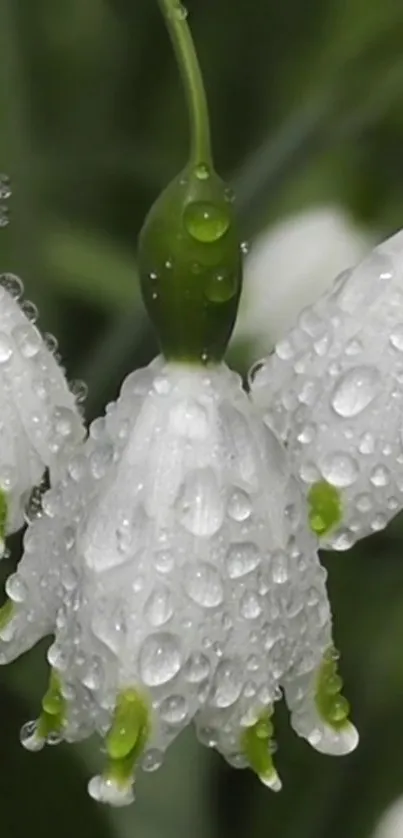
175,18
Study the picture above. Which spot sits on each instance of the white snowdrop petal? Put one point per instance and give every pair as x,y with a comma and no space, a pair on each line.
289,266
350,435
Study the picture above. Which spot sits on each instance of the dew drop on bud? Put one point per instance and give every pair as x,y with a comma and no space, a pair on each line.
206,222
202,171
221,287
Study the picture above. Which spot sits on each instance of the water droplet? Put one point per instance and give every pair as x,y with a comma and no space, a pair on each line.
79,390
245,248
339,469
160,659
30,310
12,284
29,737
164,561
241,558
197,668
355,390
239,505
279,567
250,606
158,608
367,443
380,476
152,760
100,461
203,584
51,342
174,710
227,684
108,790
16,588
6,348
353,347
284,350
206,222
221,286
199,504
202,171
396,338
28,340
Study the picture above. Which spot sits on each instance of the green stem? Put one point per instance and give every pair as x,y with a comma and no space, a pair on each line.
175,18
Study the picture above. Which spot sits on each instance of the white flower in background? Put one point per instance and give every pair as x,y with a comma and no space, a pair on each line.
290,265
333,390
39,419
391,823
174,565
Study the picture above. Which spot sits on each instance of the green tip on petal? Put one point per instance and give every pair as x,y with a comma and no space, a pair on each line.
333,708
190,265
52,719
325,508
127,736
257,745
6,613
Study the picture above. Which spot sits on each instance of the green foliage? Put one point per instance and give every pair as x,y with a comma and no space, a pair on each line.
305,98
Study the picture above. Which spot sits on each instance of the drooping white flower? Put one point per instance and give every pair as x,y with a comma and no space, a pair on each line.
333,390
390,824
39,419
174,565
289,266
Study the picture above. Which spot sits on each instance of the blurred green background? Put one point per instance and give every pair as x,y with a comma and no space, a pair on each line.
307,107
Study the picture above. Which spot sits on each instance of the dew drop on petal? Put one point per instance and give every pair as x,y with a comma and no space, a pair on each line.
203,584
12,284
199,504
28,340
158,608
355,391
197,668
339,469
6,348
174,710
239,505
242,557
250,606
16,588
160,659
396,338
227,684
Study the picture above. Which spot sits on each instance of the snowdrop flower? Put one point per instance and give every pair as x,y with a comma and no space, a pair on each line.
172,561
333,391
290,266
391,823
175,568
40,422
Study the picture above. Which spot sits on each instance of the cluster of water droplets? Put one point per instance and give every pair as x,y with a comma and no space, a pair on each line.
172,557
333,390
39,417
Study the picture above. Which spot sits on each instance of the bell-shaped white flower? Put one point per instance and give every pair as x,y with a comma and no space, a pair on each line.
333,390
290,265
174,565
39,419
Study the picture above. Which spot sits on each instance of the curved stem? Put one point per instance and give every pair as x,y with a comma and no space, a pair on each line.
175,17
